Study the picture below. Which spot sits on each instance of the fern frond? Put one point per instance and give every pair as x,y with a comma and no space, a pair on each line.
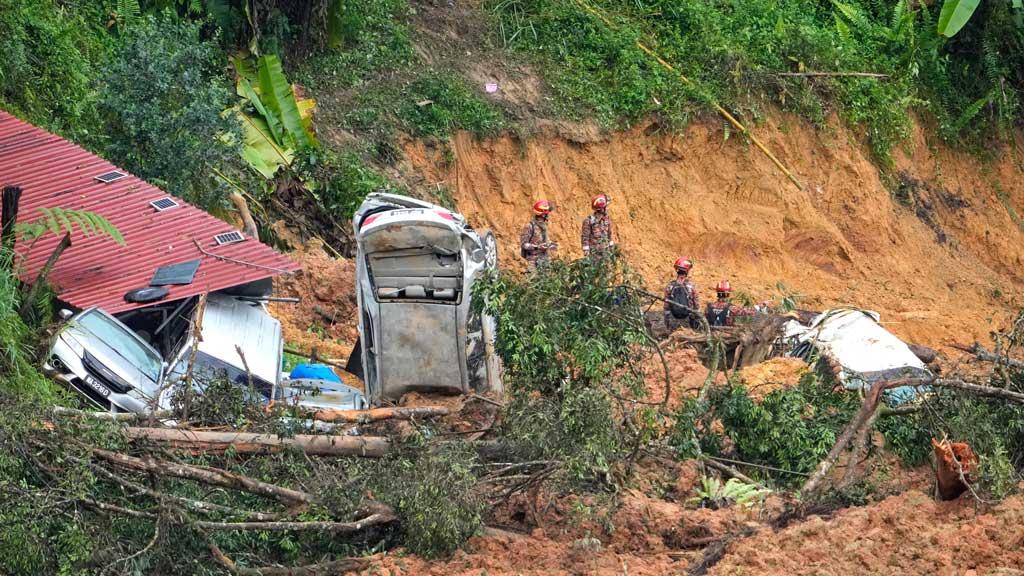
57,220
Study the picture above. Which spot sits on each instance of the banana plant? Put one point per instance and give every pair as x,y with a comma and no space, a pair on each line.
275,120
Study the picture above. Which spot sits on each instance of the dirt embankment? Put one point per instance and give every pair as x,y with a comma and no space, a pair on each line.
906,534
939,256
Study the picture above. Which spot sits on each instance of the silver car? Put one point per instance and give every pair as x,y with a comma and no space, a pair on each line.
118,371
416,263
106,362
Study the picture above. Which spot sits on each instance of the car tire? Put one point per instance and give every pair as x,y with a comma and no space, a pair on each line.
490,251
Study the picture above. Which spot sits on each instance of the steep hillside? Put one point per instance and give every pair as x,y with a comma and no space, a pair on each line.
937,249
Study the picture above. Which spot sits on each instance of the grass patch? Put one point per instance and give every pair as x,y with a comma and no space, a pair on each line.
735,50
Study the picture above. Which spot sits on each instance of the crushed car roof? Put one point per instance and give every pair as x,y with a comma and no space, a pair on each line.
158,229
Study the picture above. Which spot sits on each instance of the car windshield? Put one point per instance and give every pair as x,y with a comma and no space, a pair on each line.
207,369
123,342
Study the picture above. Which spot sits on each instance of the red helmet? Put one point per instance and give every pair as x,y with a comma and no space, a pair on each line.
683,264
723,287
600,202
542,207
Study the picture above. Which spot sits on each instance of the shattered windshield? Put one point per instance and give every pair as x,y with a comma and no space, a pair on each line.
123,342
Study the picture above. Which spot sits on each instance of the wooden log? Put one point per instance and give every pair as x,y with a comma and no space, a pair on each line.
206,475
923,353
115,416
377,414
30,297
8,217
247,442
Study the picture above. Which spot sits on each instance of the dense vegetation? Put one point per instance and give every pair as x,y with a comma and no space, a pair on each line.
733,51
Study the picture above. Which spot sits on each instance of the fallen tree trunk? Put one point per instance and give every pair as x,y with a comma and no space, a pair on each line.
206,475
115,416
863,416
341,566
923,353
978,389
377,414
247,442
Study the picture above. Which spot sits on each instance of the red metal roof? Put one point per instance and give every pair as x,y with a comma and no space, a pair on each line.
95,271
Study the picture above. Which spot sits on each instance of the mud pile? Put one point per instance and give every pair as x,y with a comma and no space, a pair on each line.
936,247
326,317
905,534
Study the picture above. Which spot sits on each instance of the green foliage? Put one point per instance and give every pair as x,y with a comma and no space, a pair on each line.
163,92
994,428
49,53
366,37
954,15
278,123
792,429
573,344
338,182
438,104
713,494
434,493
57,220
732,50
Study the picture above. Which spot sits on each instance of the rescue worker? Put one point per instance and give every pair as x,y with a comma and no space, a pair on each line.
682,305
596,235
723,312
534,245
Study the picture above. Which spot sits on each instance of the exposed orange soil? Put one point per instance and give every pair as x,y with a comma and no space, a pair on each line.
906,534
325,318
842,240
774,374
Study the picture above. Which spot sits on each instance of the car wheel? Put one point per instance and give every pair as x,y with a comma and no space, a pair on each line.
490,251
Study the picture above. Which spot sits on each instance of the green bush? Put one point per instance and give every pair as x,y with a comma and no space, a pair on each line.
732,50
792,429
338,182
372,38
573,343
438,104
49,51
163,92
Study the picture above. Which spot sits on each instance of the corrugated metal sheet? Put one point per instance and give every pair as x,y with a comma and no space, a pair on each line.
95,271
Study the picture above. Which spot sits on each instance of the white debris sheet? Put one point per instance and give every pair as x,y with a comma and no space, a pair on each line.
862,348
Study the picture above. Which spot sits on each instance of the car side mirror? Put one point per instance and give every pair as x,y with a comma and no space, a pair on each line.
65,314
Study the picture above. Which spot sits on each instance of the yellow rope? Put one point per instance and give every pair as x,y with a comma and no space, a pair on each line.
718,108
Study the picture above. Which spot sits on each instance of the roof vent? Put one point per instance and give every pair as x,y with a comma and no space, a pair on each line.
112,176
163,204
228,238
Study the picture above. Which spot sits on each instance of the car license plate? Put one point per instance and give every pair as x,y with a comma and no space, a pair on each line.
103,390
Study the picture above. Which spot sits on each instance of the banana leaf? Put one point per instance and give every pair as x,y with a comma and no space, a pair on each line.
260,150
278,97
954,15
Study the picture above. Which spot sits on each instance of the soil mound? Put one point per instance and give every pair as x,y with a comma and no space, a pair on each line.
326,318
773,374
906,534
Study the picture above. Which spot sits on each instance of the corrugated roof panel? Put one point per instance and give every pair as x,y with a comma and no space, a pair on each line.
95,271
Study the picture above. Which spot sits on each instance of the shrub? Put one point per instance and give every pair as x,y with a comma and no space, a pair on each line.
162,96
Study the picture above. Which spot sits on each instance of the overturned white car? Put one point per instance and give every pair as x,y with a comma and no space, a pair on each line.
416,263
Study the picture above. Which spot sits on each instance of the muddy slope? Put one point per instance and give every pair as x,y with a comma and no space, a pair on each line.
905,534
940,252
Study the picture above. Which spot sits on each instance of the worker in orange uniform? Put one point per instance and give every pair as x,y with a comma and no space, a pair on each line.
534,244
596,235
682,306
